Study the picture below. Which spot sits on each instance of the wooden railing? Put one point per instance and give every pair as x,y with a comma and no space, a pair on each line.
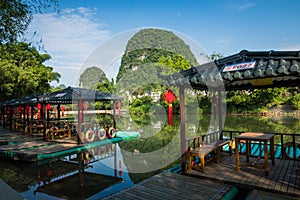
282,141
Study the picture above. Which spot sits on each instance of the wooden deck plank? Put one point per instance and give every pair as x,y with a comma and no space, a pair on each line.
170,185
283,178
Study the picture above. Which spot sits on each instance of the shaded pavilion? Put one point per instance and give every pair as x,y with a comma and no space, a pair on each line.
73,95
246,70
69,95
23,106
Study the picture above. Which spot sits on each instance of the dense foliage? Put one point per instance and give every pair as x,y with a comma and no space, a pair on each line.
255,101
15,16
23,72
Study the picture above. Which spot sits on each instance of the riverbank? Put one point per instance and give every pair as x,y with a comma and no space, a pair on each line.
284,110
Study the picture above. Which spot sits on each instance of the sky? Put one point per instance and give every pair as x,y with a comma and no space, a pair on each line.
79,28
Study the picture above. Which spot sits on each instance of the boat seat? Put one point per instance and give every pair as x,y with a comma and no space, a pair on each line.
215,147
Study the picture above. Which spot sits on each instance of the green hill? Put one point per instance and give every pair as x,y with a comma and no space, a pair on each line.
91,77
148,45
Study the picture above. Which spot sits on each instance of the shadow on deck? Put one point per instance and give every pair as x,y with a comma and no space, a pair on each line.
283,178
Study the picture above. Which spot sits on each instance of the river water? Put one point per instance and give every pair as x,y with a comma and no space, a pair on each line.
46,181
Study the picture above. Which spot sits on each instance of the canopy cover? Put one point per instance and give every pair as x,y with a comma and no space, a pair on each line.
244,70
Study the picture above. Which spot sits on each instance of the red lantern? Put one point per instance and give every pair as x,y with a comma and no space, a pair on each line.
85,106
28,109
169,97
39,106
20,108
48,106
62,110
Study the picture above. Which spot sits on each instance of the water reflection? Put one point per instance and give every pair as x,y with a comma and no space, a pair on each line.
102,170
88,174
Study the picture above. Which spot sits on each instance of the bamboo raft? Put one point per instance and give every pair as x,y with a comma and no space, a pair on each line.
16,146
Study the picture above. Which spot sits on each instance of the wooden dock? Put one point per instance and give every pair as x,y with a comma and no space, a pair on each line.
283,178
218,182
170,185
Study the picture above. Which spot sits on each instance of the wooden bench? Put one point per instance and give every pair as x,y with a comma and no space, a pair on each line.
60,133
204,150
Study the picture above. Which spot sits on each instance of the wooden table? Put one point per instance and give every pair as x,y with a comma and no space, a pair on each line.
259,137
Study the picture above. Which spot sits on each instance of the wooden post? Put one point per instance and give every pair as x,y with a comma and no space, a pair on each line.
43,115
24,119
182,131
220,113
10,118
32,113
58,112
115,159
79,121
114,114
48,117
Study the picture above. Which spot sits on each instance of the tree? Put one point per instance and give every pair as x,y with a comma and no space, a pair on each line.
175,62
16,15
23,72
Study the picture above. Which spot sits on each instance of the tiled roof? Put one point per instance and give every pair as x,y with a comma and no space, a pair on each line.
244,70
72,94
66,96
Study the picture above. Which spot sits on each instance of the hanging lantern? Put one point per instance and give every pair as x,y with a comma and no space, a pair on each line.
39,106
62,110
169,97
85,106
48,106
20,108
28,109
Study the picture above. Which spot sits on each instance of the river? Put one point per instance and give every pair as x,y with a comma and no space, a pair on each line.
34,181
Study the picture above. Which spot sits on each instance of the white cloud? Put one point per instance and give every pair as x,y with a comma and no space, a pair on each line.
68,37
241,6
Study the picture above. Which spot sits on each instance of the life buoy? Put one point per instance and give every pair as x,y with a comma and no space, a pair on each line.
89,154
89,136
101,134
112,132
286,146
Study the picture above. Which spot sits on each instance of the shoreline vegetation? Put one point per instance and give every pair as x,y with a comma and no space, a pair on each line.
284,110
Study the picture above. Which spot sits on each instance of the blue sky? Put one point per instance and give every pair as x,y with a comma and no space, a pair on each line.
223,26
